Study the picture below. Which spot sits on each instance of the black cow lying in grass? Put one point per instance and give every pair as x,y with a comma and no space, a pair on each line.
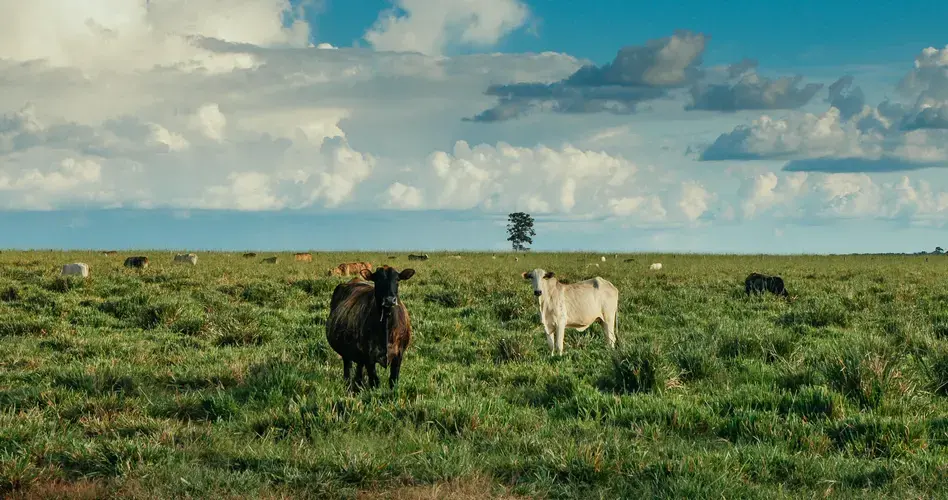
368,324
761,283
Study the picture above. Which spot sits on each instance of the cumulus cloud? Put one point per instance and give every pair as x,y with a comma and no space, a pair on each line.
753,91
816,196
106,34
433,26
648,72
852,136
637,74
804,135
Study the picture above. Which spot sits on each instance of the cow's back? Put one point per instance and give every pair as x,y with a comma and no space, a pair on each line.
587,299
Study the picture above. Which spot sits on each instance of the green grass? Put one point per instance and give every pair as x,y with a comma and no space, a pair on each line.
217,381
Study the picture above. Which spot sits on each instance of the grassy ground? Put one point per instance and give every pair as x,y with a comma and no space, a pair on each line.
217,380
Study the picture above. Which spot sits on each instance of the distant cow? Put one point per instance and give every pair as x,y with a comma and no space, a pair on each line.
271,260
138,262
418,257
575,305
76,269
656,266
368,324
250,255
186,258
603,258
303,257
350,269
110,253
760,283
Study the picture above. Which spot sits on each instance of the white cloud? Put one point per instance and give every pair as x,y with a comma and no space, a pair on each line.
125,34
802,135
210,121
432,26
540,179
815,196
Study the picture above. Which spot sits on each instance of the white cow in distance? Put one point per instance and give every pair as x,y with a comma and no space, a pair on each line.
574,305
186,258
76,269
656,266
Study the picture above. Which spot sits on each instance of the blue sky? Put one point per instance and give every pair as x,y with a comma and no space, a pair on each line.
744,127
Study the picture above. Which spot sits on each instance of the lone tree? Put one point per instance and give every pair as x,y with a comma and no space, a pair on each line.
520,230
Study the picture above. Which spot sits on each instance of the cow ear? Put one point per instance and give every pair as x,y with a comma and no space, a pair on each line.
366,274
525,275
406,274
548,275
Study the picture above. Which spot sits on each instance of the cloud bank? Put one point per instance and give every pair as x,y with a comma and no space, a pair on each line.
162,104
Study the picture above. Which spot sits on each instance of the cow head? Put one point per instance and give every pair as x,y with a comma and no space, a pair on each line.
386,284
538,278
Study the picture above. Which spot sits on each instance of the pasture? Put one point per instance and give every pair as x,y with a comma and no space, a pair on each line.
216,380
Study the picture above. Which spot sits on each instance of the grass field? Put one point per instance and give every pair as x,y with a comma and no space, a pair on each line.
217,380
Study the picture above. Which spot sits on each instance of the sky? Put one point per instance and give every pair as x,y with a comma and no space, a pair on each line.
750,127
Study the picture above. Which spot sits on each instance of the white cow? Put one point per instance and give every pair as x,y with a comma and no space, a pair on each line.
76,269
574,305
603,258
188,258
656,266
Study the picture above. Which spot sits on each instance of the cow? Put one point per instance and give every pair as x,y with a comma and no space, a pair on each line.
303,257
761,283
271,260
250,255
656,266
603,258
574,305
186,258
369,324
110,253
76,269
349,269
423,256
139,262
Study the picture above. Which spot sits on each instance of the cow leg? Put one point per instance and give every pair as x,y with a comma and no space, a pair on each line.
357,382
609,325
396,367
560,333
346,368
373,376
549,338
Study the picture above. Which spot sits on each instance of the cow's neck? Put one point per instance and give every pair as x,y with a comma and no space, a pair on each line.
550,295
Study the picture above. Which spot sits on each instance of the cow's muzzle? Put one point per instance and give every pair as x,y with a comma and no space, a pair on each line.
537,293
389,302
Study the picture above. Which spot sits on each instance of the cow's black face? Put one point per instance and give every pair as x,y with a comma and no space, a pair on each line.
386,284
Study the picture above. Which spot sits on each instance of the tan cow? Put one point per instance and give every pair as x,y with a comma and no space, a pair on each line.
574,305
350,268
186,258
303,257
76,269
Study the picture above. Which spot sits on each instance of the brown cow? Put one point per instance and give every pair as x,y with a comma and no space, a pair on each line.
350,269
368,324
250,255
110,253
303,257
271,260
